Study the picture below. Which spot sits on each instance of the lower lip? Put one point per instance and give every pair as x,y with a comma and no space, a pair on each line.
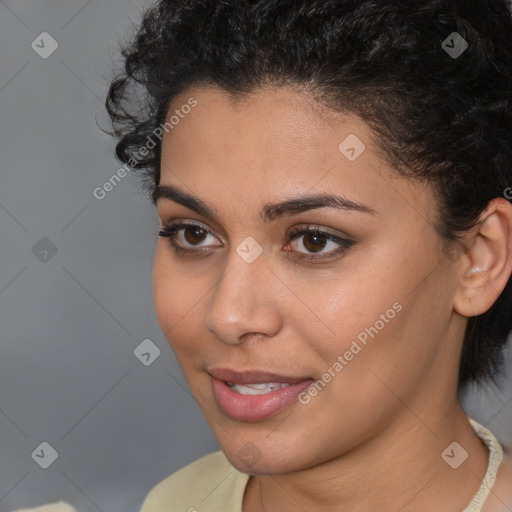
255,407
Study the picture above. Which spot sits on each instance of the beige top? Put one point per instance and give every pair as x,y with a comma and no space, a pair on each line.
495,458
212,484
60,506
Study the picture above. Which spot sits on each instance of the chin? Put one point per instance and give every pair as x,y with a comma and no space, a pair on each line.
257,459
264,467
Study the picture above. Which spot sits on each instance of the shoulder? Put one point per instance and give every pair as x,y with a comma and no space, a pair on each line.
60,506
208,481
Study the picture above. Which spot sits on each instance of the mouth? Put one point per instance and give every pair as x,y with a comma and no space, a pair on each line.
255,395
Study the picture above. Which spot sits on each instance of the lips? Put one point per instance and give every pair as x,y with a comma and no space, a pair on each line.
254,395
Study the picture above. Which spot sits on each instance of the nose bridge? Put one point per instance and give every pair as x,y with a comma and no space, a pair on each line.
242,301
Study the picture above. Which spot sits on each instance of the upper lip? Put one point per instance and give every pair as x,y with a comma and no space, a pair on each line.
252,376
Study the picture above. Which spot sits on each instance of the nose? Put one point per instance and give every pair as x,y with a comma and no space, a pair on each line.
245,302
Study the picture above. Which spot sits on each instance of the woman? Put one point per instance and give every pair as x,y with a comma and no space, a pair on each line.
332,181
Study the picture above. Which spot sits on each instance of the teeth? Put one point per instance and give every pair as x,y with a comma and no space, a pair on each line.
257,389
258,386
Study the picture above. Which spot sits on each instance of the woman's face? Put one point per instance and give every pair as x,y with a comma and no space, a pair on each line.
367,314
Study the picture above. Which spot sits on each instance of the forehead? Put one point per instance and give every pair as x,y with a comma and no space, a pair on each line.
274,143
278,116
278,132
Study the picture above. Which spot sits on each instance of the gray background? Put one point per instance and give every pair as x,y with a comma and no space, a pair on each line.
70,322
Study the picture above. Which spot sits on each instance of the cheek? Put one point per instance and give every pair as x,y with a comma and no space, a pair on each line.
179,307
386,337
349,306
363,324
164,292
171,294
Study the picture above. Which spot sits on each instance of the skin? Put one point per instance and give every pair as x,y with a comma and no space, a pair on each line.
372,439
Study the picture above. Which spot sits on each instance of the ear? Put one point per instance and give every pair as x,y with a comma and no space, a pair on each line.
487,264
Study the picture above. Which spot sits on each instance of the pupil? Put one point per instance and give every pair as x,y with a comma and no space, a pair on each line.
193,239
316,245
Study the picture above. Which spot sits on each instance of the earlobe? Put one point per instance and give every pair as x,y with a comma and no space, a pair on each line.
489,258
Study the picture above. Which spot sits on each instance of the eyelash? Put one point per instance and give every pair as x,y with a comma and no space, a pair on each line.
171,230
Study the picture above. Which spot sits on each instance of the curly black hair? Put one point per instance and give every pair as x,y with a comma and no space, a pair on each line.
440,111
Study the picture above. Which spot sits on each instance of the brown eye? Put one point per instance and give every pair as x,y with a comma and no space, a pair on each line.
314,240
194,234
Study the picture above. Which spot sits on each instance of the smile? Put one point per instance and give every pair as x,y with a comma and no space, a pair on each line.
256,389
254,395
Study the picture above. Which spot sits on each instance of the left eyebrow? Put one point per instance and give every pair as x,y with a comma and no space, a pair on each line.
270,212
